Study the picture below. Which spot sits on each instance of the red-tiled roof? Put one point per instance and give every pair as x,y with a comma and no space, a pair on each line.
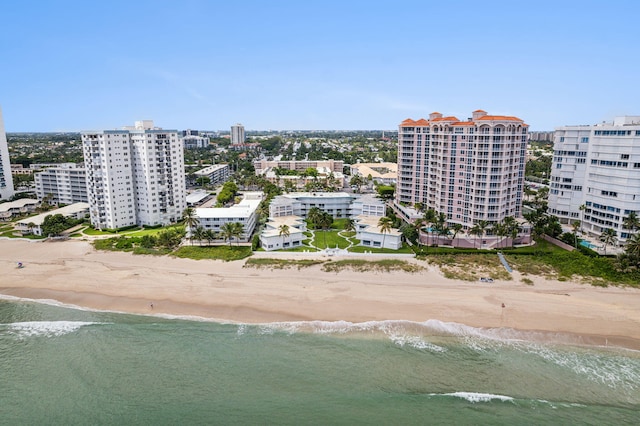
498,118
446,119
479,110
422,122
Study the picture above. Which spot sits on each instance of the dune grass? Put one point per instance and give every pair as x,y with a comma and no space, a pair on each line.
281,263
359,265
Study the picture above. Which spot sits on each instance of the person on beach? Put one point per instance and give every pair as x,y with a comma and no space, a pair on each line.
151,305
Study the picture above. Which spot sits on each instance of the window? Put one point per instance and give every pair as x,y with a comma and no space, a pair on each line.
584,140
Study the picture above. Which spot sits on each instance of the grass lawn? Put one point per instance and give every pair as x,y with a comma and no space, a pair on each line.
134,232
332,239
300,249
225,253
339,224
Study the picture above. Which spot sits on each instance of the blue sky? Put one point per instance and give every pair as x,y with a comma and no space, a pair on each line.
80,65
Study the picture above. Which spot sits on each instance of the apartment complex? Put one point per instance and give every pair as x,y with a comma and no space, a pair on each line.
328,172
263,166
597,167
6,180
470,170
337,204
384,173
194,141
217,173
135,176
66,184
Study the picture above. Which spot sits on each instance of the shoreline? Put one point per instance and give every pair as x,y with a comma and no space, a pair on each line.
74,273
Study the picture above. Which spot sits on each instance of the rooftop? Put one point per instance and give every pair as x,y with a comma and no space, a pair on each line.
69,210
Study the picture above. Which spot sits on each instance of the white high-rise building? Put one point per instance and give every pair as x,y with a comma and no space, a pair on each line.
237,134
135,176
597,167
6,180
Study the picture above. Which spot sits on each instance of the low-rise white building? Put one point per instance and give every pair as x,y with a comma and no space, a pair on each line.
245,212
33,224
17,207
273,237
370,234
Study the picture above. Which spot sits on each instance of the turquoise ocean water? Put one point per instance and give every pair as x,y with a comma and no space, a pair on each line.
67,366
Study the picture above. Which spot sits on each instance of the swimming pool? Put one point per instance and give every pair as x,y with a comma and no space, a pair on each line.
587,244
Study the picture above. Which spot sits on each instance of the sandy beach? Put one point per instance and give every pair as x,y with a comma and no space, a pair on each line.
72,272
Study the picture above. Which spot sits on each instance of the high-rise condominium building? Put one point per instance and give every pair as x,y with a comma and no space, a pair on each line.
6,180
237,134
470,170
135,176
597,167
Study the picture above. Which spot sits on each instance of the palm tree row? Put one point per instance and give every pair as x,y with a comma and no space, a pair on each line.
228,232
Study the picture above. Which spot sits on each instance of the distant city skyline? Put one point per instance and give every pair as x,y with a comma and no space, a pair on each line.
333,65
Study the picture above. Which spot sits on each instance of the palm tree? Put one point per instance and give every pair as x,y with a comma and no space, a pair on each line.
227,231
582,208
429,218
575,226
511,228
475,230
385,224
631,222
350,225
238,230
456,227
30,227
199,234
632,248
314,215
484,226
283,231
608,237
210,235
191,221
501,231
325,220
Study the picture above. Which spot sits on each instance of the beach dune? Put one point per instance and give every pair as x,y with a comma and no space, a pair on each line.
73,272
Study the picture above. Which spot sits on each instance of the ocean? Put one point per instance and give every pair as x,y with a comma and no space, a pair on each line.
60,365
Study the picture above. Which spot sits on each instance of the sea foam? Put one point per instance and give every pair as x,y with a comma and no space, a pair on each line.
476,397
44,328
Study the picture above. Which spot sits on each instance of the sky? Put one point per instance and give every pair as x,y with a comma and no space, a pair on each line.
314,64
